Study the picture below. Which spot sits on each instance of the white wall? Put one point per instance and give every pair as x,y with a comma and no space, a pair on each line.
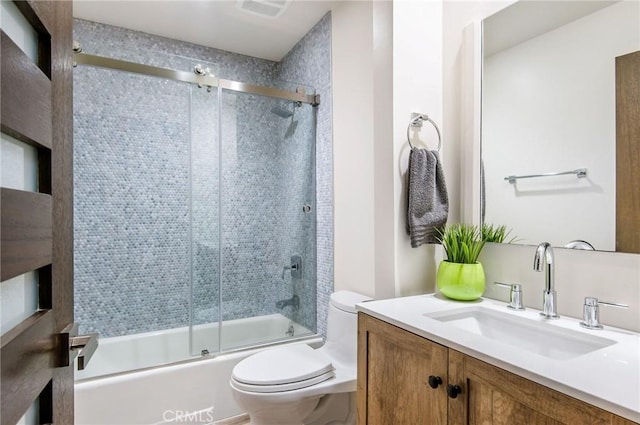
417,87
608,276
559,87
384,72
386,63
353,168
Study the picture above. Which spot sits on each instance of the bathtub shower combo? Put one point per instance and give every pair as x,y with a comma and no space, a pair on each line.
195,232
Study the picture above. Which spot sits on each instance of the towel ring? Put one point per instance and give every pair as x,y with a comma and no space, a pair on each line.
414,123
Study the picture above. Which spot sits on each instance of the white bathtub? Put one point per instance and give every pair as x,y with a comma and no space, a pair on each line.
194,391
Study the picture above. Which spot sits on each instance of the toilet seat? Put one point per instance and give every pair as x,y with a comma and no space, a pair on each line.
282,369
282,387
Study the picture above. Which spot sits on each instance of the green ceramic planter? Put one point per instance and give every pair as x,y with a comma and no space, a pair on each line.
461,281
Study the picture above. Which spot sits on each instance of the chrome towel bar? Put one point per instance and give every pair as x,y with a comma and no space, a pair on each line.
580,173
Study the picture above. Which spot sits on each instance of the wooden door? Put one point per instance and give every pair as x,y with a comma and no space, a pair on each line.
628,153
493,396
37,227
393,372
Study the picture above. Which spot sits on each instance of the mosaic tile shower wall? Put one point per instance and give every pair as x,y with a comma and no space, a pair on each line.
144,233
131,210
310,62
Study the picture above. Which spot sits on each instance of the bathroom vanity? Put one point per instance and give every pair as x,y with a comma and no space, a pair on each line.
426,360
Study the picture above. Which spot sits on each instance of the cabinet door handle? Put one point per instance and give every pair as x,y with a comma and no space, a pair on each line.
453,390
434,381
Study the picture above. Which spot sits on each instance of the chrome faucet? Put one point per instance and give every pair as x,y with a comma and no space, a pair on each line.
544,256
591,312
293,302
515,295
291,331
580,244
295,267
292,267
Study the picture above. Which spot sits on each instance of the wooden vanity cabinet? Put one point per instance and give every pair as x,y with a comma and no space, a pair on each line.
394,367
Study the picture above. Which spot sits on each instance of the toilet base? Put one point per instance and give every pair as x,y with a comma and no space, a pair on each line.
330,409
334,409
288,413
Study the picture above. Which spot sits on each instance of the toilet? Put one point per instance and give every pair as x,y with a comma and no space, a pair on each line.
299,385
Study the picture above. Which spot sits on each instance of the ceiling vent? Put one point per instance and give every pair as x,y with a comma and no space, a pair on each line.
265,8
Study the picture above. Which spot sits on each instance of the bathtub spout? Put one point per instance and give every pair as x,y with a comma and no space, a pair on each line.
293,302
291,331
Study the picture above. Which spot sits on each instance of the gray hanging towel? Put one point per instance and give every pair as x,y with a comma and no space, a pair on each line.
428,200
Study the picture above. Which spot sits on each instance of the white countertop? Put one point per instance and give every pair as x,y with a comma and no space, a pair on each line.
608,378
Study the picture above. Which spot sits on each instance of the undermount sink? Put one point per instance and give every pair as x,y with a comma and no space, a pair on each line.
532,335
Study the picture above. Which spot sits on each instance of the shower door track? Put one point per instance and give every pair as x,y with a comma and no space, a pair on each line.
191,77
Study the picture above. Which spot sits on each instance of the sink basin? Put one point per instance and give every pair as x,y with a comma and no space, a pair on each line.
532,335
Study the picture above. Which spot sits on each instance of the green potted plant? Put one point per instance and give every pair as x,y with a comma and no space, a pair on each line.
461,276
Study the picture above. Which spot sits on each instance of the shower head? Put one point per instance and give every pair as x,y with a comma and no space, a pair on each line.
281,112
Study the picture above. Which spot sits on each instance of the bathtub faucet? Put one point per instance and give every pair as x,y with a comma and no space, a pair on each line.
293,302
291,331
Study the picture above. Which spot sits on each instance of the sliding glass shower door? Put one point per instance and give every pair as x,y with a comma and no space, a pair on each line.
131,194
195,218
268,219
253,223
204,207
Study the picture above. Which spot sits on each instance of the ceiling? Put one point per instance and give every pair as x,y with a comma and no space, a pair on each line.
524,20
213,23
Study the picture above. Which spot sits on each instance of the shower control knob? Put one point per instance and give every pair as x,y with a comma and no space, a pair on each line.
434,381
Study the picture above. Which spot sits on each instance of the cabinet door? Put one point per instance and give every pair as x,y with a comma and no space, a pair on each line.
491,395
393,372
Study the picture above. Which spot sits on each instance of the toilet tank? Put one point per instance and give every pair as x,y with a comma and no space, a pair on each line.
342,327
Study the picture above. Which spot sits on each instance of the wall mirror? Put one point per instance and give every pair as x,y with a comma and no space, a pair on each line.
560,88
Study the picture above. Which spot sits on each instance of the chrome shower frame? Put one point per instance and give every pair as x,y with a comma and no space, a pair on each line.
201,79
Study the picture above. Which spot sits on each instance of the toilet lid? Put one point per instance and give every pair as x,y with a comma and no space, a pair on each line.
282,387
284,365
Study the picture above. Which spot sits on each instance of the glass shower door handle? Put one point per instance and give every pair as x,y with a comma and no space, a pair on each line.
72,345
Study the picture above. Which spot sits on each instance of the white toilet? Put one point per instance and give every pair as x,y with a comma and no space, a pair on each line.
297,385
